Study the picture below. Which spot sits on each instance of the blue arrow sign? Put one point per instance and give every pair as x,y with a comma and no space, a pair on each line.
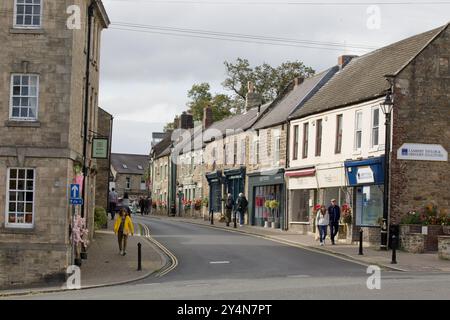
74,191
76,202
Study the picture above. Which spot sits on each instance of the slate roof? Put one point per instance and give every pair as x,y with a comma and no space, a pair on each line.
363,79
163,147
293,98
132,161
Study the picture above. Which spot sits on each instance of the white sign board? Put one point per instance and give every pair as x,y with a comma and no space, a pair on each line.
364,175
422,152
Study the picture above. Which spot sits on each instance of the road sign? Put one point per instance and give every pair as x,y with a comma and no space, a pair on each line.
74,191
76,202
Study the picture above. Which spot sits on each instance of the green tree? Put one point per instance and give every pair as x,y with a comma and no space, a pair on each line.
200,97
269,81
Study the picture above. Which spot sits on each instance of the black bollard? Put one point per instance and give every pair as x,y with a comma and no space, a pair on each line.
360,242
234,221
394,249
212,217
139,257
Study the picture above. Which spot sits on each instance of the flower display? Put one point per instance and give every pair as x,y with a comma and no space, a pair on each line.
346,213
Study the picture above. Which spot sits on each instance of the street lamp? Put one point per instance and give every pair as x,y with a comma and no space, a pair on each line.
386,107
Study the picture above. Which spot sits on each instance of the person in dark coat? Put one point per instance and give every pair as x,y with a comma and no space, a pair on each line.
229,205
335,214
241,208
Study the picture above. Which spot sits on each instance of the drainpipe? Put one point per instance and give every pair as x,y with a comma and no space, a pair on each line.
287,163
90,14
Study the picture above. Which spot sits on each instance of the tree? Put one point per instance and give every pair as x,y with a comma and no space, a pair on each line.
201,97
268,81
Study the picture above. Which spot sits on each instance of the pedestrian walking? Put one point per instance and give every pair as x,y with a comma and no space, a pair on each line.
229,206
148,205
322,221
335,215
142,205
126,202
241,205
123,228
113,199
134,207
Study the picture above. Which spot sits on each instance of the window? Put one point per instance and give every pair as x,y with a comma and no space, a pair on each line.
24,96
358,130
257,151
20,197
166,171
235,150
27,14
128,183
140,167
338,146
318,137
375,126
243,151
143,184
276,155
305,140
295,146
192,163
124,166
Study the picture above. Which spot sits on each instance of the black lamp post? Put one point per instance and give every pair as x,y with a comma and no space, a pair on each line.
180,198
386,108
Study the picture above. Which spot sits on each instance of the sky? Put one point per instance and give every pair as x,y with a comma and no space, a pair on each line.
146,72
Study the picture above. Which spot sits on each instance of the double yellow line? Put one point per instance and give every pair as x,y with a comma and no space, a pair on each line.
173,260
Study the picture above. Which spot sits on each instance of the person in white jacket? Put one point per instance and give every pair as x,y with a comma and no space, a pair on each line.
322,221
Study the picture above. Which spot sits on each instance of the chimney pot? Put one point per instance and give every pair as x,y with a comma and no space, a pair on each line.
344,60
207,117
253,99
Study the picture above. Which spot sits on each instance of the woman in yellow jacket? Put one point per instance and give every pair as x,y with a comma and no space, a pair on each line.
123,228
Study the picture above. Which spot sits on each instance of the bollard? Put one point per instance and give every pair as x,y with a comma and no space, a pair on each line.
234,221
139,257
360,242
394,249
212,217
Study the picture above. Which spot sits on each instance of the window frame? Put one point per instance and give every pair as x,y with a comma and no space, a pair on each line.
127,183
305,143
295,142
318,151
7,202
23,26
11,97
339,133
356,148
372,128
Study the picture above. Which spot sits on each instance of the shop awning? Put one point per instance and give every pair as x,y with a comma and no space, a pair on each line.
301,173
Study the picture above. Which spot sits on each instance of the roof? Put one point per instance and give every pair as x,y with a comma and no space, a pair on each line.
243,121
293,98
131,161
163,147
363,79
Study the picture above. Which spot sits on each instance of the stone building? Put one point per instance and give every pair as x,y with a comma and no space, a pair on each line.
339,135
160,174
44,106
129,174
104,129
266,181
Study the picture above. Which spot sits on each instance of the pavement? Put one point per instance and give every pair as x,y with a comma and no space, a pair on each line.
104,265
407,262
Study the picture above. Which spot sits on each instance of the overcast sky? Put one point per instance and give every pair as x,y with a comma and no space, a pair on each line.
145,76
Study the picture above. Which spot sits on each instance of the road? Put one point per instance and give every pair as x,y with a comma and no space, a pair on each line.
216,264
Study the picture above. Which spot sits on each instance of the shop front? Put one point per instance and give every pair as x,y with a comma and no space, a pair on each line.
215,191
267,199
367,179
234,180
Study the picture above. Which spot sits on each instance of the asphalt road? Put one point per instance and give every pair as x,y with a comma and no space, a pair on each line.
216,264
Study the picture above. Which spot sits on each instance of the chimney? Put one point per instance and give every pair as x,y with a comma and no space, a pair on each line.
176,122
344,60
186,121
253,99
298,81
207,117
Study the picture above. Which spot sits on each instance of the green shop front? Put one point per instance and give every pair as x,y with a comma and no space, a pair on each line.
366,177
267,199
234,180
215,181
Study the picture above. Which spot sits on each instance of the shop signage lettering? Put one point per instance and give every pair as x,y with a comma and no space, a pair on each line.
422,152
364,175
235,177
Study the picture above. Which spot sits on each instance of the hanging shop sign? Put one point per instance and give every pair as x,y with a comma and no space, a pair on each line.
364,175
422,152
100,148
